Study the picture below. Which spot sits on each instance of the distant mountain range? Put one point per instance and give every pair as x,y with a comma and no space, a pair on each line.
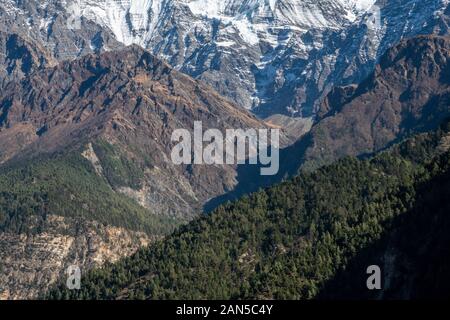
407,93
273,56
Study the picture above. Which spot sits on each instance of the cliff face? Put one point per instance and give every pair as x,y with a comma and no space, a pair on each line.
32,262
49,24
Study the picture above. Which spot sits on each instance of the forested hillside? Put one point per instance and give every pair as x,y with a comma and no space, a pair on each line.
68,186
59,210
312,236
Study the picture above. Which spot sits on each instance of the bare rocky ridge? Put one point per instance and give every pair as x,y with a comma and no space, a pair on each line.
272,56
46,24
130,100
31,263
409,92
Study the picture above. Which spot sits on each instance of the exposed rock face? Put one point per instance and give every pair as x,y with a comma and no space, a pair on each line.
248,50
48,24
32,262
409,92
90,155
19,58
132,101
279,56
275,56
229,44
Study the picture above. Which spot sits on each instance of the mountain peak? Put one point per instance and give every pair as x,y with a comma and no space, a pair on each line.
291,52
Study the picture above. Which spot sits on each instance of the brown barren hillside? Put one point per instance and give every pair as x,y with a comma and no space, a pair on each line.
408,92
132,102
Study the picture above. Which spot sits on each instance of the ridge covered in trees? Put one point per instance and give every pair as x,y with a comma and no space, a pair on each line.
310,237
68,186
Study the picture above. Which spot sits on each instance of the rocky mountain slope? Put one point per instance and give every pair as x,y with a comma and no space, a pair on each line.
31,263
273,56
127,104
19,57
47,24
277,56
234,45
408,92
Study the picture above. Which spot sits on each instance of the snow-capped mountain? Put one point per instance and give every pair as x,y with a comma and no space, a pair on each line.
234,44
139,21
274,56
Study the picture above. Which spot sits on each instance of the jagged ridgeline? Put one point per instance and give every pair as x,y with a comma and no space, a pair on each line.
275,56
312,236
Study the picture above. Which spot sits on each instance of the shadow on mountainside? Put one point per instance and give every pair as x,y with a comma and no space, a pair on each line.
250,179
413,254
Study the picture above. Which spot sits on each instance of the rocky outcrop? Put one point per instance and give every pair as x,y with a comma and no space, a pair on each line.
19,57
32,262
50,25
